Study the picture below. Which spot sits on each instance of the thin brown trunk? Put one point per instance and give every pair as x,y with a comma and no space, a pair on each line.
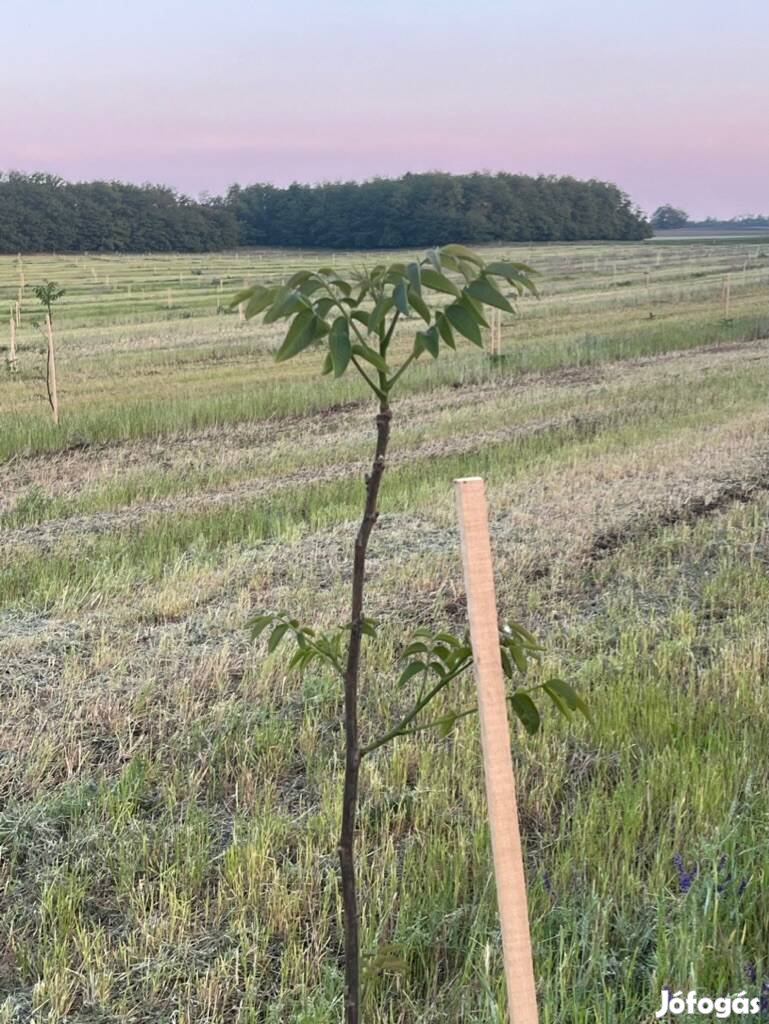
50,377
352,749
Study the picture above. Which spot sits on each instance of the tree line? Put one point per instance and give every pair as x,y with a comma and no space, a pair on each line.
667,216
44,213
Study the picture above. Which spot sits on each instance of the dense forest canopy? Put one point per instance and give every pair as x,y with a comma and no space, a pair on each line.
43,213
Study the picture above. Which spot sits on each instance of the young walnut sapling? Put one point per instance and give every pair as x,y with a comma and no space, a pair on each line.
354,320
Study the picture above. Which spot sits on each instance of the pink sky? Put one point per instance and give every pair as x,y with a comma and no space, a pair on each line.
669,100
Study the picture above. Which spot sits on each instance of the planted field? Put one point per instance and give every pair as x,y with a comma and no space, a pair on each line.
170,796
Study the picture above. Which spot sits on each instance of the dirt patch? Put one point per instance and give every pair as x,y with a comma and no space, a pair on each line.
688,512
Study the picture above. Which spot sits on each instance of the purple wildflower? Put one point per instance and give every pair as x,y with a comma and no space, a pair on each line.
685,878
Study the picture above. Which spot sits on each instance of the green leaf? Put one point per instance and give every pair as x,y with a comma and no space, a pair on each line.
504,268
401,297
507,665
563,690
413,273
461,320
302,332
516,273
559,702
526,710
339,345
258,623
439,283
444,329
371,356
427,341
299,278
484,291
276,637
394,272
568,694
446,724
286,303
260,299
301,657
328,365
518,657
448,638
419,305
331,277
379,312
242,295
411,670
524,640
415,648
461,252
468,270
434,256
474,308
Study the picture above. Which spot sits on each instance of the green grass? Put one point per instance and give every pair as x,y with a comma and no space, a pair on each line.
74,572
170,795
222,870
173,370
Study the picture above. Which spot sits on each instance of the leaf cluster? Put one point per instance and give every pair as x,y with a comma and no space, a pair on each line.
48,293
354,320
430,663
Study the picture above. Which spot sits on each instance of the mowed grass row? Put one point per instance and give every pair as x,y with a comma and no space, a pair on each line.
81,568
337,439
128,407
162,374
175,857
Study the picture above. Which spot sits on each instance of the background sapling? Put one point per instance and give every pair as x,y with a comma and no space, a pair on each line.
47,294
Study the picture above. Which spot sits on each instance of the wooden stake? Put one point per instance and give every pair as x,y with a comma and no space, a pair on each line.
241,311
495,740
53,392
17,310
12,349
726,295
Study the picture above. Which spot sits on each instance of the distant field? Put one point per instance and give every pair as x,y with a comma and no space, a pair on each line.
169,796
732,232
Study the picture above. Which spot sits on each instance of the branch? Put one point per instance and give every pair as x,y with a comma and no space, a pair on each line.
386,340
440,721
393,380
397,730
381,395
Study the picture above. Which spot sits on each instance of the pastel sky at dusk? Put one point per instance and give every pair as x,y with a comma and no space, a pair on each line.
668,98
